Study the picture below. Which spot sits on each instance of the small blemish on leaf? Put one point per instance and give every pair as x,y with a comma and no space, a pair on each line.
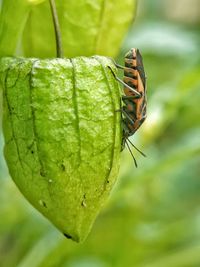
42,203
62,167
68,236
83,203
42,173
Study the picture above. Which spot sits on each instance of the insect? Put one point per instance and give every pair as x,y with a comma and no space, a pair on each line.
134,108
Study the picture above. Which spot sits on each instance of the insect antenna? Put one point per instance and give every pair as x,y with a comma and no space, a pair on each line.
131,153
136,148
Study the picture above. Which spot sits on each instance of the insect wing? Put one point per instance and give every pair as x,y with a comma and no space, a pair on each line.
140,68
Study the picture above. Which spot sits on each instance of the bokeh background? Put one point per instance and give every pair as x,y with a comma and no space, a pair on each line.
153,216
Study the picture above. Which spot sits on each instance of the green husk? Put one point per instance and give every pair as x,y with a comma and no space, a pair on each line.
87,28
62,136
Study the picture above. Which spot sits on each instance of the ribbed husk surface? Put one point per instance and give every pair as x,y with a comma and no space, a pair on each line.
62,136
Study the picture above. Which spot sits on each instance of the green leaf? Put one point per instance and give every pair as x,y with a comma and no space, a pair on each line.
62,136
13,17
87,27
36,2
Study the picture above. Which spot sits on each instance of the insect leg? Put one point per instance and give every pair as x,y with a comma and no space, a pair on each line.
118,110
127,97
126,130
126,85
136,148
131,153
127,116
116,65
125,127
119,66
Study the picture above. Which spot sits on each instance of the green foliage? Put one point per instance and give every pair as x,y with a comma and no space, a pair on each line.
152,218
13,17
87,27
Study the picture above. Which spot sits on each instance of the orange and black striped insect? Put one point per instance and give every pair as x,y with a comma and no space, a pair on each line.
134,108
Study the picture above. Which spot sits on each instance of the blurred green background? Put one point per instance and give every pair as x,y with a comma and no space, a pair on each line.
153,216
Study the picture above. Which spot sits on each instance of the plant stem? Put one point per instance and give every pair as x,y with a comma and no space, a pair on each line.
56,29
